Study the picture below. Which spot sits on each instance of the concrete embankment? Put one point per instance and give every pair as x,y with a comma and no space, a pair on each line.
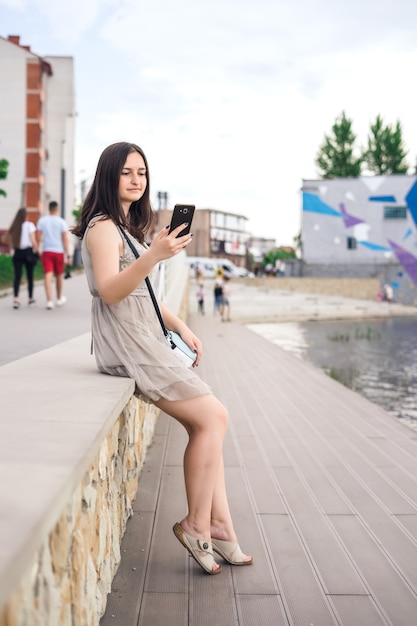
268,300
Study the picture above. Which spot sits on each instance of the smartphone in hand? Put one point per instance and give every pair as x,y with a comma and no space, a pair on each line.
182,213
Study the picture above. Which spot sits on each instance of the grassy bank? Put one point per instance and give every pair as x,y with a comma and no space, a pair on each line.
6,272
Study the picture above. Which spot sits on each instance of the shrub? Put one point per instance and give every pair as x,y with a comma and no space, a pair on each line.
6,272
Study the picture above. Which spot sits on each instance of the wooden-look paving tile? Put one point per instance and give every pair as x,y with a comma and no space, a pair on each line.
323,490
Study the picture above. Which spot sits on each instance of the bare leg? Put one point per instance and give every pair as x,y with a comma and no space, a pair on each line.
205,420
59,284
48,286
221,519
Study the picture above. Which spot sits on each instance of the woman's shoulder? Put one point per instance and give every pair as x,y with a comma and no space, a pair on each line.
102,222
102,229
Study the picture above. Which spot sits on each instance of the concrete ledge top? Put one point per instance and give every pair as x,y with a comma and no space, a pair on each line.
56,409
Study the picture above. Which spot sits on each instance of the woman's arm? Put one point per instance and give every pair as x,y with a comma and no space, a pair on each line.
33,239
172,322
105,244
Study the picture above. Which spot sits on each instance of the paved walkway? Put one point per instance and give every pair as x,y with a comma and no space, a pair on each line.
31,329
323,489
322,483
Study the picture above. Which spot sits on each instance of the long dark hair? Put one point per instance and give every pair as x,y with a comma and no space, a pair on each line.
15,229
103,197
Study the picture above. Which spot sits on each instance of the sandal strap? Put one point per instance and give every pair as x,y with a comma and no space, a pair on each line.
204,546
230,551
195,547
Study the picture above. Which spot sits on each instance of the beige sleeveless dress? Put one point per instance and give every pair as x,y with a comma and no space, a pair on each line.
128,340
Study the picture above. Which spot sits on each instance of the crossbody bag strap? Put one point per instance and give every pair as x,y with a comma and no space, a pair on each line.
148,283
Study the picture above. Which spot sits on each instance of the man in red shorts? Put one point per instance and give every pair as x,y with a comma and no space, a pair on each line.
52,234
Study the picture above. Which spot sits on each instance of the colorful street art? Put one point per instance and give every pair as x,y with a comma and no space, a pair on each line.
313,203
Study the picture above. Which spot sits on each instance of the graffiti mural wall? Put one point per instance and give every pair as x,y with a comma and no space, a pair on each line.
366,220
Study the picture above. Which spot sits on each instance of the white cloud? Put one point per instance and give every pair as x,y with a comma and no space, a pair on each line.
230,99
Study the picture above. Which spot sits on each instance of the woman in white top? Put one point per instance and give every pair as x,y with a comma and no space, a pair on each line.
23,242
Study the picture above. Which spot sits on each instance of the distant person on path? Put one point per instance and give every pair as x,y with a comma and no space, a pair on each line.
22,239
52,235
219,272
225,308
128,341
218,296
200,298
388,293
197,271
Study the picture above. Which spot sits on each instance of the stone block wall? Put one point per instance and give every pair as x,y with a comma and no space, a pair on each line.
360,288
71,573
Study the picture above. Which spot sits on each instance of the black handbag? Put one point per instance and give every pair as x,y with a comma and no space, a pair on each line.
32,257
175,341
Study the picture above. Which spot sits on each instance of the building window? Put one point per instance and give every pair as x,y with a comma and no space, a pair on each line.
395,212
351,243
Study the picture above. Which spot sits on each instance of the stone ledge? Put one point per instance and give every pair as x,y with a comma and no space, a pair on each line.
57,413
74,442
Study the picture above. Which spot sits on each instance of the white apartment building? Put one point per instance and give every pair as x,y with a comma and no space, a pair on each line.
36,131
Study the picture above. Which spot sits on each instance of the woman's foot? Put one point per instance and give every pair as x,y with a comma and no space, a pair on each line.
16,304
230,551
200,550
226,545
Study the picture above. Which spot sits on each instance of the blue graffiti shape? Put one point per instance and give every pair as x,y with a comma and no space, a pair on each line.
313,204
382,199
374,246
411,200
349,220
408,234
407,260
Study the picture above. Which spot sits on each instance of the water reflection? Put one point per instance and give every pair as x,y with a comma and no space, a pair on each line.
376,358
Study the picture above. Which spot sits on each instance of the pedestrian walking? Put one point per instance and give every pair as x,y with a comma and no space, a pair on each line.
22,239
52,234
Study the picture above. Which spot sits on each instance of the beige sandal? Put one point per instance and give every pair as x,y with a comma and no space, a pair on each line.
195,547
230,551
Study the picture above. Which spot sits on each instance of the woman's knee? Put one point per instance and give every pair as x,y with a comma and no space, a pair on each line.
225,416
222,416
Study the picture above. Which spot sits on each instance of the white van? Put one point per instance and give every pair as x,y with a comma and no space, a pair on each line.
208,267
205,265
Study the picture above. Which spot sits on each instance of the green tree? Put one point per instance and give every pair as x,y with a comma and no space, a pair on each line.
386,153
336,156
298,244
3,173
277,253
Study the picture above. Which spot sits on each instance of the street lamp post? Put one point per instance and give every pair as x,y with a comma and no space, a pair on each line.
162,200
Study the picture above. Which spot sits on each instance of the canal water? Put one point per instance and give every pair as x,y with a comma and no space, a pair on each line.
376,358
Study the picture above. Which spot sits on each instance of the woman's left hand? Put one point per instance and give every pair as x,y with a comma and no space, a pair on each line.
194,343
172,322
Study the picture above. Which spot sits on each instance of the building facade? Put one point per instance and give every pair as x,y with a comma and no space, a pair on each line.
216,234
363,226
36,131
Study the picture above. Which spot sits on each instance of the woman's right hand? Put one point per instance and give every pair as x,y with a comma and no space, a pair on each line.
164,245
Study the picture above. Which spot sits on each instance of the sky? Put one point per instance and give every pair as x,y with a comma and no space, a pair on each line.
229,99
